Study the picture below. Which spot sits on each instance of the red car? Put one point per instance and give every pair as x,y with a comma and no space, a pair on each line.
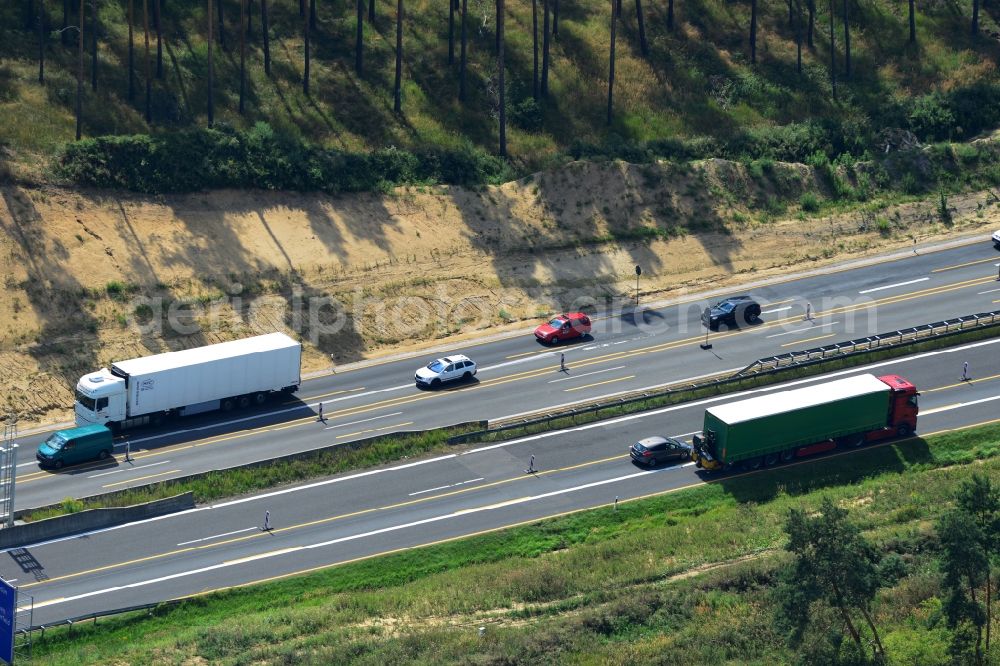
563,327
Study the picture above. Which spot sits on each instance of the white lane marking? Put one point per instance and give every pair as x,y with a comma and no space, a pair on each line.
450,485
586,374
353,537
374,418
787,307
621,342
219,536
890,286
128,469
513,442
988,291
957,405
803,330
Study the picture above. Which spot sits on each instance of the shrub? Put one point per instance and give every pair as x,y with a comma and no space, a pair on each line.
200,159
809,202
527,115
930,118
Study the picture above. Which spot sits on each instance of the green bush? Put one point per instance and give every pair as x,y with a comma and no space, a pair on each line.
527,115
222,157
809,202
930,118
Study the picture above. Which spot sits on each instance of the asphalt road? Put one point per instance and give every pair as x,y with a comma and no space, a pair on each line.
376,511
627,351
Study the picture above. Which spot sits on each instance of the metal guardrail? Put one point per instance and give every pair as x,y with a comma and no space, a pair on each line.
79,619
761,367
873,342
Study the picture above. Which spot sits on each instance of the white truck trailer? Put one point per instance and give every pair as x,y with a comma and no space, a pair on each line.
222,376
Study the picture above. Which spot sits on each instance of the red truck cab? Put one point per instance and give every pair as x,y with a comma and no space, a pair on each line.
903,408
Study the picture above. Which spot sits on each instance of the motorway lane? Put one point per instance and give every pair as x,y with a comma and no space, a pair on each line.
516,376
375,511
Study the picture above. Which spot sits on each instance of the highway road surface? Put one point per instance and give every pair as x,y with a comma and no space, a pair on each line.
380,510
628,351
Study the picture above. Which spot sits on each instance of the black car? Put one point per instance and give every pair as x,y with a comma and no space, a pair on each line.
654,450
732,311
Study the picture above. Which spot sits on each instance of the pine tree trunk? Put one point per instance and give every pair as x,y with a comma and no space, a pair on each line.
93,46
461,72
159,38
534,48
871,625
975,17
131,53
451,32
41,41
503,84
359,37
913,23
145,60
222,27
371,12
211,66
312,14
398,93
545,48
753,31
670,14
305,54
798,36
611,67
833,56
243,54
847,41
267,39
643,46
811,4
79,79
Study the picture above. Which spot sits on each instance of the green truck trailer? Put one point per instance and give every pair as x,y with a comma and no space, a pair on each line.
781,426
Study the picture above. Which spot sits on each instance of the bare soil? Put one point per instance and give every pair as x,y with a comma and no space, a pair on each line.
91,277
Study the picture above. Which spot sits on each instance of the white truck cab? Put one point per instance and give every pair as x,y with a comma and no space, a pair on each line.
100,398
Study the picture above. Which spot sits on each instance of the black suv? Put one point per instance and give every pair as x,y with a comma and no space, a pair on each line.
732,311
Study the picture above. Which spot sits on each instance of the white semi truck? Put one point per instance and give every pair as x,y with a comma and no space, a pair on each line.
222,376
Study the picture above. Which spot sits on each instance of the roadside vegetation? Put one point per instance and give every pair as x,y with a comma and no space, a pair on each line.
695,576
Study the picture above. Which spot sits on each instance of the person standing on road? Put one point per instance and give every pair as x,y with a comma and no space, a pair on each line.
965,371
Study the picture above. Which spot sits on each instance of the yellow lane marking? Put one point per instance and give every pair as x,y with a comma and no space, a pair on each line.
259,556
537,351
321,521
362,432
537,520
799,342
607,381
968,263
794,278
962,383
925,412
140,478
615,356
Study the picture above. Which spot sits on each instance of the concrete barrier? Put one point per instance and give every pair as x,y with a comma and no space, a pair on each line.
93,519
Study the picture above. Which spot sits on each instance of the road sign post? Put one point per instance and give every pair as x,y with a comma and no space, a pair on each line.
638,272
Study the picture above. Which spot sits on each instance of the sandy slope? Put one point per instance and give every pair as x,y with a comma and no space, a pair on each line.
95,276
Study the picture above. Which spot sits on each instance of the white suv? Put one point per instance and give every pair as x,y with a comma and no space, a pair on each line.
996,239
449,368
